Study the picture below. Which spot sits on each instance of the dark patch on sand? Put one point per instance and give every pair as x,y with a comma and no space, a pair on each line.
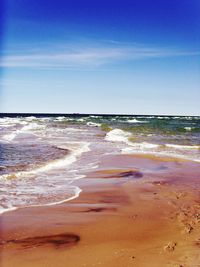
197,243
60,240
114,199
132,174
162,168
100,209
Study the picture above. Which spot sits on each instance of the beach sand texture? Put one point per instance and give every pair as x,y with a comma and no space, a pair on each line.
123,217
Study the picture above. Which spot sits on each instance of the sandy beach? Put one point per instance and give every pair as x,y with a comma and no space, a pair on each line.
123,217
100,133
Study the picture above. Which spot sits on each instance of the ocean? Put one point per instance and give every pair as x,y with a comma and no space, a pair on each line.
42,155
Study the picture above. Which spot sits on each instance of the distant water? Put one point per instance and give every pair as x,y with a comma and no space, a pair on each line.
40,157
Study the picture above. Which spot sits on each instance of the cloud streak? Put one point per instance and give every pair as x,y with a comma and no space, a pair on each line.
87,57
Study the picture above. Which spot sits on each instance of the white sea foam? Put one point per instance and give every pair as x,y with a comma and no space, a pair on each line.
6,125
162,118
32,126
9,137
30,118
131,150
55,164
188,118
69,119
46,171
96,117
75,130
188,128
81,119
136,121
69,159
117,135
28,128
12,121
144,145
76,190
60,118
3,210
63,118
182,147
90,123
147,117
67,130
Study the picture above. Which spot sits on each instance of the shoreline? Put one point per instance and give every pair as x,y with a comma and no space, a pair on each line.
120,217
44,205
153,156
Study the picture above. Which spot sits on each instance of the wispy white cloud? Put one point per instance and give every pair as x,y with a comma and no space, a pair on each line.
87,57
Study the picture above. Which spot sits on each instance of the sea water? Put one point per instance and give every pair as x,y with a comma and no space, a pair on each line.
41,156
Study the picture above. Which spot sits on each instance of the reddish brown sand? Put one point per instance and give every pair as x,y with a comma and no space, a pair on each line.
133,211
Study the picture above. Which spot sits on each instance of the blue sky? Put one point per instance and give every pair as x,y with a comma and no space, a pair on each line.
129,57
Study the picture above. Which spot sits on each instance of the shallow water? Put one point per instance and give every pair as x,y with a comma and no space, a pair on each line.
42,156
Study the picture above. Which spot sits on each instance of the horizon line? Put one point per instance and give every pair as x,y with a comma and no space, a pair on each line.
24,114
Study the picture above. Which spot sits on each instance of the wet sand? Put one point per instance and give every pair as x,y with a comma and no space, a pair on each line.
133,211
